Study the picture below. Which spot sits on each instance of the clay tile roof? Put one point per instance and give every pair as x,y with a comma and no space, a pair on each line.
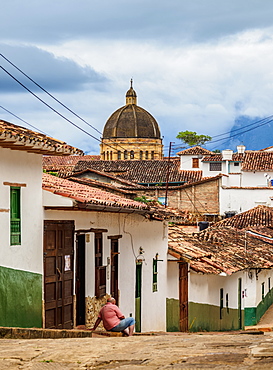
217,157
53,160
19,138
84,194
216,250
258,161
195,150
258,216
146,171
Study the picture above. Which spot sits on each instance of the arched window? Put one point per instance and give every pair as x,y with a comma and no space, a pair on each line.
125,154
111,155
107,156
119,154
141,155
152,154
132,154
146,154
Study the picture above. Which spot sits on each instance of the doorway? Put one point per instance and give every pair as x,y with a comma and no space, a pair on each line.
80,280
58,274
138,296
183,296
114,270
239,303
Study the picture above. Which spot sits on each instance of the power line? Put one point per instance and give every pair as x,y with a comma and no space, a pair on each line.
23,120
54,110
58,101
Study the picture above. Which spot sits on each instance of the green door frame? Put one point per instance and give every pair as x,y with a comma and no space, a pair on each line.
138,296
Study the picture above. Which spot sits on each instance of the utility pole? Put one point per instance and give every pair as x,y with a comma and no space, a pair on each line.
168,174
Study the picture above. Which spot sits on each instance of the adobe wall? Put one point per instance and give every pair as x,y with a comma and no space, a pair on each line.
201,198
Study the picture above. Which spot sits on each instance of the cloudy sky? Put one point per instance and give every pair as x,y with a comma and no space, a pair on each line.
197,65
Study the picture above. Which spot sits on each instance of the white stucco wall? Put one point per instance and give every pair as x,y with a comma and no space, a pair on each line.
173,278
243,199
253,286
206,288
186,162
136,232
24,168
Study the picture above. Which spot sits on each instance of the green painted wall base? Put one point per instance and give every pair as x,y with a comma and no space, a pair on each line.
253,314
20,298
203,317
173,315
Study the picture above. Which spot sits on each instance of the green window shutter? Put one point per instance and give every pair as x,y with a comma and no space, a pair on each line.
15,216
154,275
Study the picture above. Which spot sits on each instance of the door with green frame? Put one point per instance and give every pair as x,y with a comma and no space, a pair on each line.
138,296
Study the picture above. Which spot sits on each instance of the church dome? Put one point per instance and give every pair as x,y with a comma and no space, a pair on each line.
131,121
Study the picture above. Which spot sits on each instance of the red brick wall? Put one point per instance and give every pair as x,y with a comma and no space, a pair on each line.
201,198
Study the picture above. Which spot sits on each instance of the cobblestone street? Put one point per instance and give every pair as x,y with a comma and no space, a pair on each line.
165,351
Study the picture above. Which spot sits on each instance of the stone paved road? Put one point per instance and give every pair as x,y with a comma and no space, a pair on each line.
180,351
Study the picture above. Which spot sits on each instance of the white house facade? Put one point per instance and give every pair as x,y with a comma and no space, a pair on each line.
118,249
21,223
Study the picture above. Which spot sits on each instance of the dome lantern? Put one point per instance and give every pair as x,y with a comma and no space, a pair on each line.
131,96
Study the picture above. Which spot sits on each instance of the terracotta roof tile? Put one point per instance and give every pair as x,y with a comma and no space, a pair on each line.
146,171
20,138
237,157
87,194
216,250
258,216
194,150
258,161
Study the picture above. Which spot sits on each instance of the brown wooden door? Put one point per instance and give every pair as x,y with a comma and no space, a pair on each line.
80,280
114,269
183,296
58,274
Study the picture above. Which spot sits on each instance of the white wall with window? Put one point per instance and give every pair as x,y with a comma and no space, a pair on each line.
21,178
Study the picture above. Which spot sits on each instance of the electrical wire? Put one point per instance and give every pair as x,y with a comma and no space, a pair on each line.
54,110
5,109
58,101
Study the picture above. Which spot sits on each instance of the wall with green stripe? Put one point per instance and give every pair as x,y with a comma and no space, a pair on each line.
254,314
20,298
203,317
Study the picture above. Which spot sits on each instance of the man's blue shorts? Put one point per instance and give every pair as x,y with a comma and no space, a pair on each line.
124,324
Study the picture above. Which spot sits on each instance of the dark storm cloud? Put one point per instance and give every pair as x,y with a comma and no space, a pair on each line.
53,74
176,20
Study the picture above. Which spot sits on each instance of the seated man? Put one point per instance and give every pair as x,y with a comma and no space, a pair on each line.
114,320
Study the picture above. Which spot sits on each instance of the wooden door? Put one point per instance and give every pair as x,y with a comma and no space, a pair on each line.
58,274
138,296
183,296
80,280
239,303
114,269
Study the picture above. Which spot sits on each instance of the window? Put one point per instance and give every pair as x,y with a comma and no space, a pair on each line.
269,284
132,154
146,154
195,163
119,154
236,164
15,216
215,166
221,302
262,290
152,154
125,154
100,270
141,155
154,274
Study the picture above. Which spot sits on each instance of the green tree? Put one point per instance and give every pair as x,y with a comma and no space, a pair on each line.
191,138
